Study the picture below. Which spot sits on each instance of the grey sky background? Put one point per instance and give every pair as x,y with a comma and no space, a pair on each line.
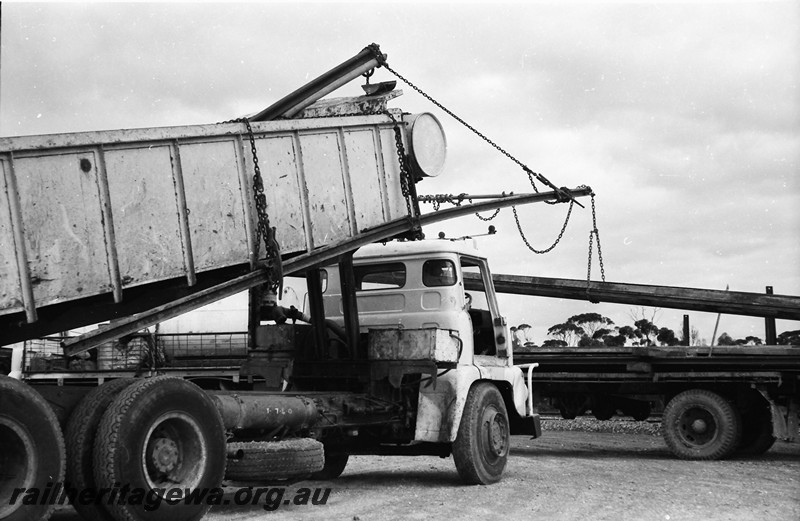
683,117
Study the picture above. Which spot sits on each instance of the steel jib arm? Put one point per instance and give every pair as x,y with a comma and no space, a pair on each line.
503,202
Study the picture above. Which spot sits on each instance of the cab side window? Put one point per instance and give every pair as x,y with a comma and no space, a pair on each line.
380,276
439,272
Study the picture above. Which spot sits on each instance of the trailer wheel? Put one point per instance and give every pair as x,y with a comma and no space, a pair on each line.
603,408
273,460
163,436
80,435
480,450
32,453
571,405
335,462
757,434
701,425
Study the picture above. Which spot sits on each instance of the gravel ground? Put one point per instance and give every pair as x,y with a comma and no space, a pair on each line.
588,424
579,469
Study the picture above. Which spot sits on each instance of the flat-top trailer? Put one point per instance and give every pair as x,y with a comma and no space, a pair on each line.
718,400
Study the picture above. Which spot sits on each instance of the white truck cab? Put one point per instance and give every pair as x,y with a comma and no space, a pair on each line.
415,290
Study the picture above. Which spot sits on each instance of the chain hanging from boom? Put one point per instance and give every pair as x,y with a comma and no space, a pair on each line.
263,229
592,234
407,185
531,174
563,194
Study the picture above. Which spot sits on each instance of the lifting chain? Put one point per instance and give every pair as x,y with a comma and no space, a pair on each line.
555,243
406,182
487,219
592,234
531,173
263,229
455,200
531,176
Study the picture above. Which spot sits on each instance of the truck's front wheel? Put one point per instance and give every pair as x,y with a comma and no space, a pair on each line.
481,447
701,425
32,454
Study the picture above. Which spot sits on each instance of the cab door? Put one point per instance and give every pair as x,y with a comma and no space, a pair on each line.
489,326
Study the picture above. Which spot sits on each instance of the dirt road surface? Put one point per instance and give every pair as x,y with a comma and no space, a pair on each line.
563,475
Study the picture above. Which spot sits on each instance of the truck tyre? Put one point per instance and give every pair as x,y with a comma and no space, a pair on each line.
335,462
80,435
701,425
603,408
757,433
163,436
259,462
32,454
480,450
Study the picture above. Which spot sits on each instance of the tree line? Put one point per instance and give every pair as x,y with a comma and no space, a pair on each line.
596,330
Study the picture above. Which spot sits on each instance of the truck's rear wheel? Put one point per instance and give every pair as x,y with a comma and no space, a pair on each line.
701,425
80,435
480,450
32,450
161,435
260,462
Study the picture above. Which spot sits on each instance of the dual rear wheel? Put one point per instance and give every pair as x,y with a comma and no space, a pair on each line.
161,434
136,436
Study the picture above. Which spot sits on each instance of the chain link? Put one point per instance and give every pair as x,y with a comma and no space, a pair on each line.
558,239
406,183
592,234
491,217
263,229
478,133
530,173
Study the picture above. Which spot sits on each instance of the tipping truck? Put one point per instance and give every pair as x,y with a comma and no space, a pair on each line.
128,228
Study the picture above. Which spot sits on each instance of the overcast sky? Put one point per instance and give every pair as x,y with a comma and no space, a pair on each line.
683,118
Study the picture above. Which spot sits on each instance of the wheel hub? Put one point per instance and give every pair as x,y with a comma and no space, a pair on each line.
497,434
164,454
699,426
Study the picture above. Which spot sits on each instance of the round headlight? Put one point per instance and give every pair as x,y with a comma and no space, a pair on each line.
427,145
